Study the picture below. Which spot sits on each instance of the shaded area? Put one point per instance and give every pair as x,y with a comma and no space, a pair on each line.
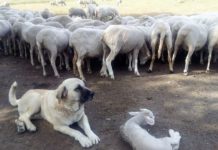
187,104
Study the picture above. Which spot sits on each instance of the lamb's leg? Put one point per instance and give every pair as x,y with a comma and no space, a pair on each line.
79,67
210,50
135,59
187,60
109,59
130,61
53,60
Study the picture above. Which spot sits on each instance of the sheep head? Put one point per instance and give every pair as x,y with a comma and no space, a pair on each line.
147,114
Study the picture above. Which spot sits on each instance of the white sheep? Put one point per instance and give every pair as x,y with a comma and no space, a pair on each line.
212,43
192,37
121,39
140,139
91,49
160,35
105,13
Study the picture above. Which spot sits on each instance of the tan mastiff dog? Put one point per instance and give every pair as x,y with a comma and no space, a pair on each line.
61,107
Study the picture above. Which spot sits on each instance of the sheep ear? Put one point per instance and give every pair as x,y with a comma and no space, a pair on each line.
133,113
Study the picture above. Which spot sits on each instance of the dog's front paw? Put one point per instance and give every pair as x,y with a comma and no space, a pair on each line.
85,142
94,138
20,126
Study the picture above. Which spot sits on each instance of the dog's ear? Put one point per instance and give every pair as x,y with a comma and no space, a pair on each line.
62,93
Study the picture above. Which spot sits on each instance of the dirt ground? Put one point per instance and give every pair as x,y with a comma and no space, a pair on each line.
188,104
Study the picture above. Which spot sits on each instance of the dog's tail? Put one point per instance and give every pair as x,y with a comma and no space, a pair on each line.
174,139
12,94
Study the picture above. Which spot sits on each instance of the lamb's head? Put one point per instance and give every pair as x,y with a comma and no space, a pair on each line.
175,138
147,115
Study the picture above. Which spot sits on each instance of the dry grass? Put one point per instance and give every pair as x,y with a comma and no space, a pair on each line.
128,7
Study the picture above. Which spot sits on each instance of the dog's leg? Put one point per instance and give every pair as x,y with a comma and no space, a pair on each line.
83,140
26,119
84,124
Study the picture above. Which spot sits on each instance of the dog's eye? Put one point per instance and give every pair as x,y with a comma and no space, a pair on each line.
78,88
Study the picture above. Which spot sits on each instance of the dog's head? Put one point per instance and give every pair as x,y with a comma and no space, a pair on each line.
73,93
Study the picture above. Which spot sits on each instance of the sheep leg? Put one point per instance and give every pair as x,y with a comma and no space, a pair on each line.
169,51
210,50
53,59
103,71
9,45
162,36
174,54
41,59
135,59
66,59
5,48
75,57
215,58
25,50
60,62
130,61
109,59
31,55
187,60
153,44
20,49
202,57
79,67
14,47
89,70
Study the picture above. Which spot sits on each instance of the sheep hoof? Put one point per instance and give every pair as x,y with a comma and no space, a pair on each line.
149,71
57,76
171,71
185,73
207,71
130,69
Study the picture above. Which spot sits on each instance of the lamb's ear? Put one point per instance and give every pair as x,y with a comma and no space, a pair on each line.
145,110
62,93
133,113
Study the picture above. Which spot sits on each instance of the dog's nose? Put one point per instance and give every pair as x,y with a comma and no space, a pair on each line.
92,94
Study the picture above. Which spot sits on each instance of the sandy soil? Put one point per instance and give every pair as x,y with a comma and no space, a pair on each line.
188,104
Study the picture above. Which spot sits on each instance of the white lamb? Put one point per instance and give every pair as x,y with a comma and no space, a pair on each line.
140,139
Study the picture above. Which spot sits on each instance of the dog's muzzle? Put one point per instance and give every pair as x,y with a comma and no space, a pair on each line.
86,95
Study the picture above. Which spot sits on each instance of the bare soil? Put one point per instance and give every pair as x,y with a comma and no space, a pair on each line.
188,104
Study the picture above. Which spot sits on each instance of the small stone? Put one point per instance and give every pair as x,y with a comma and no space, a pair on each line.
149,98
108,119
